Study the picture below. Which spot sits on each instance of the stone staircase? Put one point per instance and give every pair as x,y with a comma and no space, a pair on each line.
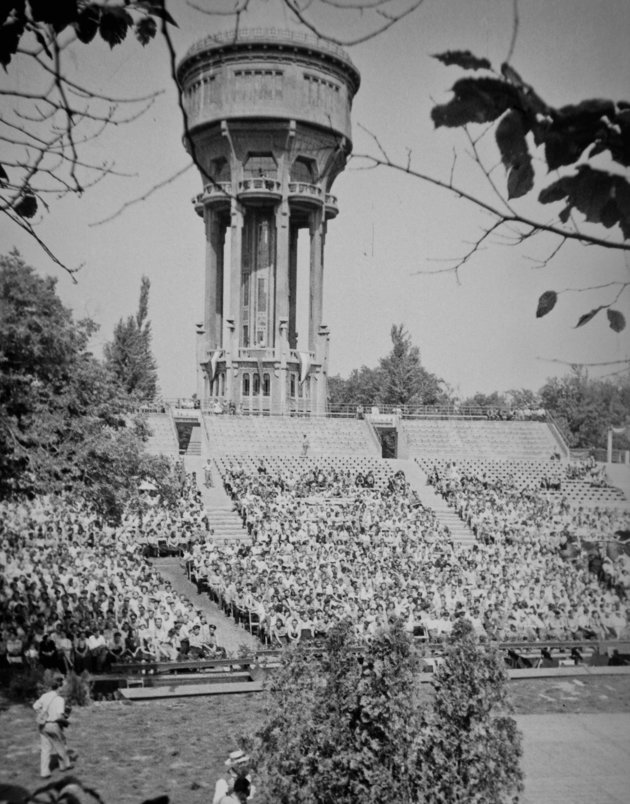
224,520
417,479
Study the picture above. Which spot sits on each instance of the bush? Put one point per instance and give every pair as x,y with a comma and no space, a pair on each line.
77,689
353,723
27,683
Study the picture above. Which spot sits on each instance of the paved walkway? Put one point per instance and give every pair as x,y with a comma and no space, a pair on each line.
229,635
581,759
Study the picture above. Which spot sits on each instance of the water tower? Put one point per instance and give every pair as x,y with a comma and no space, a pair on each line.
269,121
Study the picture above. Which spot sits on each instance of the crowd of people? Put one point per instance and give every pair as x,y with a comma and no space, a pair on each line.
79,594
543,545
323,544
324,547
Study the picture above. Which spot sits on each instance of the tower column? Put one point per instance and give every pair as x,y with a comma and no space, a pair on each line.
316,229
282,267
232,296
293,254
213,307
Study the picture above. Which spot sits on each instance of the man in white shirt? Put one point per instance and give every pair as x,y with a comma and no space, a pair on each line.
50,708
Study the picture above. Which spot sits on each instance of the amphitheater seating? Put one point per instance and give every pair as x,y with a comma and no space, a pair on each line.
278,435
460,438
529,474
296,466
162,440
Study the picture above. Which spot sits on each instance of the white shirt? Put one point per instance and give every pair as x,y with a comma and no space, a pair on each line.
52,703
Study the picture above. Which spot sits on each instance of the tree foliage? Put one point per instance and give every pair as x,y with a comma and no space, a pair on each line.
399,379
570,136
471,749
353,723
65,422
129,355
342,723
586,408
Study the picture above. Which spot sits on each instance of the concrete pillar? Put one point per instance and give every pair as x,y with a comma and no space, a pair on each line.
293,255
316,290
213,306
221,230
282,269
232,297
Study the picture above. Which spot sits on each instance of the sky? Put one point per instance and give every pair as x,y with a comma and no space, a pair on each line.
388,251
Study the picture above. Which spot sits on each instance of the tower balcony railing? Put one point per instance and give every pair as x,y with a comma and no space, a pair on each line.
313,194
214,192
260,187
257,353
332,206
269,353
302,189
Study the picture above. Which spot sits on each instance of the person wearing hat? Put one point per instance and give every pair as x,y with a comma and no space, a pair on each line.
226,790
51,720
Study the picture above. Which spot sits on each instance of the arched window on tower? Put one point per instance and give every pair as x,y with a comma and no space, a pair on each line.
266,384
246,384
304,170
256,390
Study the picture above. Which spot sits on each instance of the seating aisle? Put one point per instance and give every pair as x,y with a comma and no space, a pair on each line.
229,636
417,479
224,520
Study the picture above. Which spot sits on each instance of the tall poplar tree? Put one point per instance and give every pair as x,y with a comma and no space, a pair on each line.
129,355
404,380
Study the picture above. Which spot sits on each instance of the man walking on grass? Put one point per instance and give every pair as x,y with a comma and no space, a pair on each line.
51,721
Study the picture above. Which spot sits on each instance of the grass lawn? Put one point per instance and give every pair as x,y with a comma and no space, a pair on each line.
129,752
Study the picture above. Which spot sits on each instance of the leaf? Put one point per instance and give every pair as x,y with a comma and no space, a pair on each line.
10,34
520,178
145,30
463,58
510,137
87,23
616,320
113,25
476,100
584,319
26,207
601,197
157,9
546,303
59,13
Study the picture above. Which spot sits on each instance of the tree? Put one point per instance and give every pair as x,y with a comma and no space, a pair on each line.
470,747
65,422
129,355
362,387
405,381
585,409
359,711
479,400
399,379
368,730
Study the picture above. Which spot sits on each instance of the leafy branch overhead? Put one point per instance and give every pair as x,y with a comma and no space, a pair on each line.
567,137
41,151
